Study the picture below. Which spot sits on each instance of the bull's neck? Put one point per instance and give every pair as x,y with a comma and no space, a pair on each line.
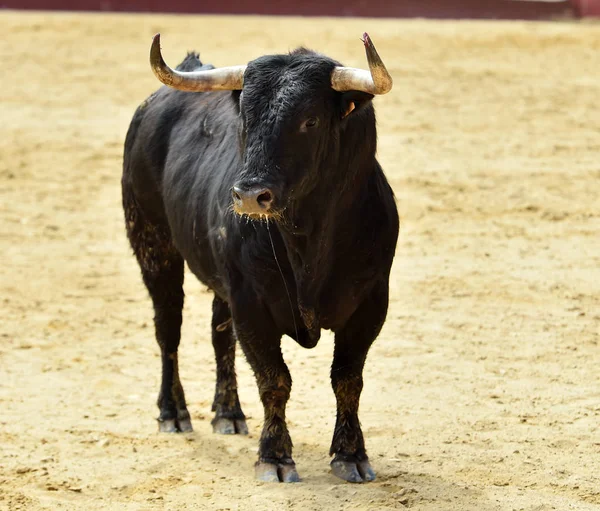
310,234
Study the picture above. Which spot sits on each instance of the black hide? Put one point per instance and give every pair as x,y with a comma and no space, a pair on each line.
321,259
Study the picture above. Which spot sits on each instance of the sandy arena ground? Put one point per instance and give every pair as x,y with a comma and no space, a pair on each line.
483,390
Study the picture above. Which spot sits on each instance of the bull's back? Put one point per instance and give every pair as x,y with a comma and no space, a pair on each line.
180,158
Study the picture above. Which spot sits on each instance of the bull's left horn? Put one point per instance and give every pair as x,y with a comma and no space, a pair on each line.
224,78
375,81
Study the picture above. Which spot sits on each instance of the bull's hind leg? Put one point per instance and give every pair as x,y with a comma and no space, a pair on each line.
229,418
162,271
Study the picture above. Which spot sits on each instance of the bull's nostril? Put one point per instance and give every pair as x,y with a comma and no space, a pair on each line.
265,199
252,200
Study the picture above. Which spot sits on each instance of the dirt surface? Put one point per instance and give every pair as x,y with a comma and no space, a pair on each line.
483,390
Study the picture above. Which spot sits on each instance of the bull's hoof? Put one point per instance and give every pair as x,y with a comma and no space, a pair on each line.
276,472
353,471
183,425
224,426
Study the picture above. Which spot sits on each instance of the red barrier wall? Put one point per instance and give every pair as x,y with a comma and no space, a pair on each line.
483,9
587,8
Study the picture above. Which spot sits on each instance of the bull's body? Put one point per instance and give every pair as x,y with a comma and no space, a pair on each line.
322,260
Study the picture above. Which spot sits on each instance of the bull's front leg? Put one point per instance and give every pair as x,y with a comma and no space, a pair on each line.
275,461
255,332
352,344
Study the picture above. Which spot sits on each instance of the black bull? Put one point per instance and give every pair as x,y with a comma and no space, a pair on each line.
273,196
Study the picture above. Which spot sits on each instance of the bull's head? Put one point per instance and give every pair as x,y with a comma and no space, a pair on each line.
293,109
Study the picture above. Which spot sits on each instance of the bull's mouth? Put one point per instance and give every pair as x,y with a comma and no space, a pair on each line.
250,214
263,215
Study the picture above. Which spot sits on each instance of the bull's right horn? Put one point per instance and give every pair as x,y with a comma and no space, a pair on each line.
375,81
224,78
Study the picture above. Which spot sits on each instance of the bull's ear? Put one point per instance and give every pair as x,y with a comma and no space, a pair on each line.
235,97
353,101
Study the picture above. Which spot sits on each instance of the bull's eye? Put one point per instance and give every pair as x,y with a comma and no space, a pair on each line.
311,122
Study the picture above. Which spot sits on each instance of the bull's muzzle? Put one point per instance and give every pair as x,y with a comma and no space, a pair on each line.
254,201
